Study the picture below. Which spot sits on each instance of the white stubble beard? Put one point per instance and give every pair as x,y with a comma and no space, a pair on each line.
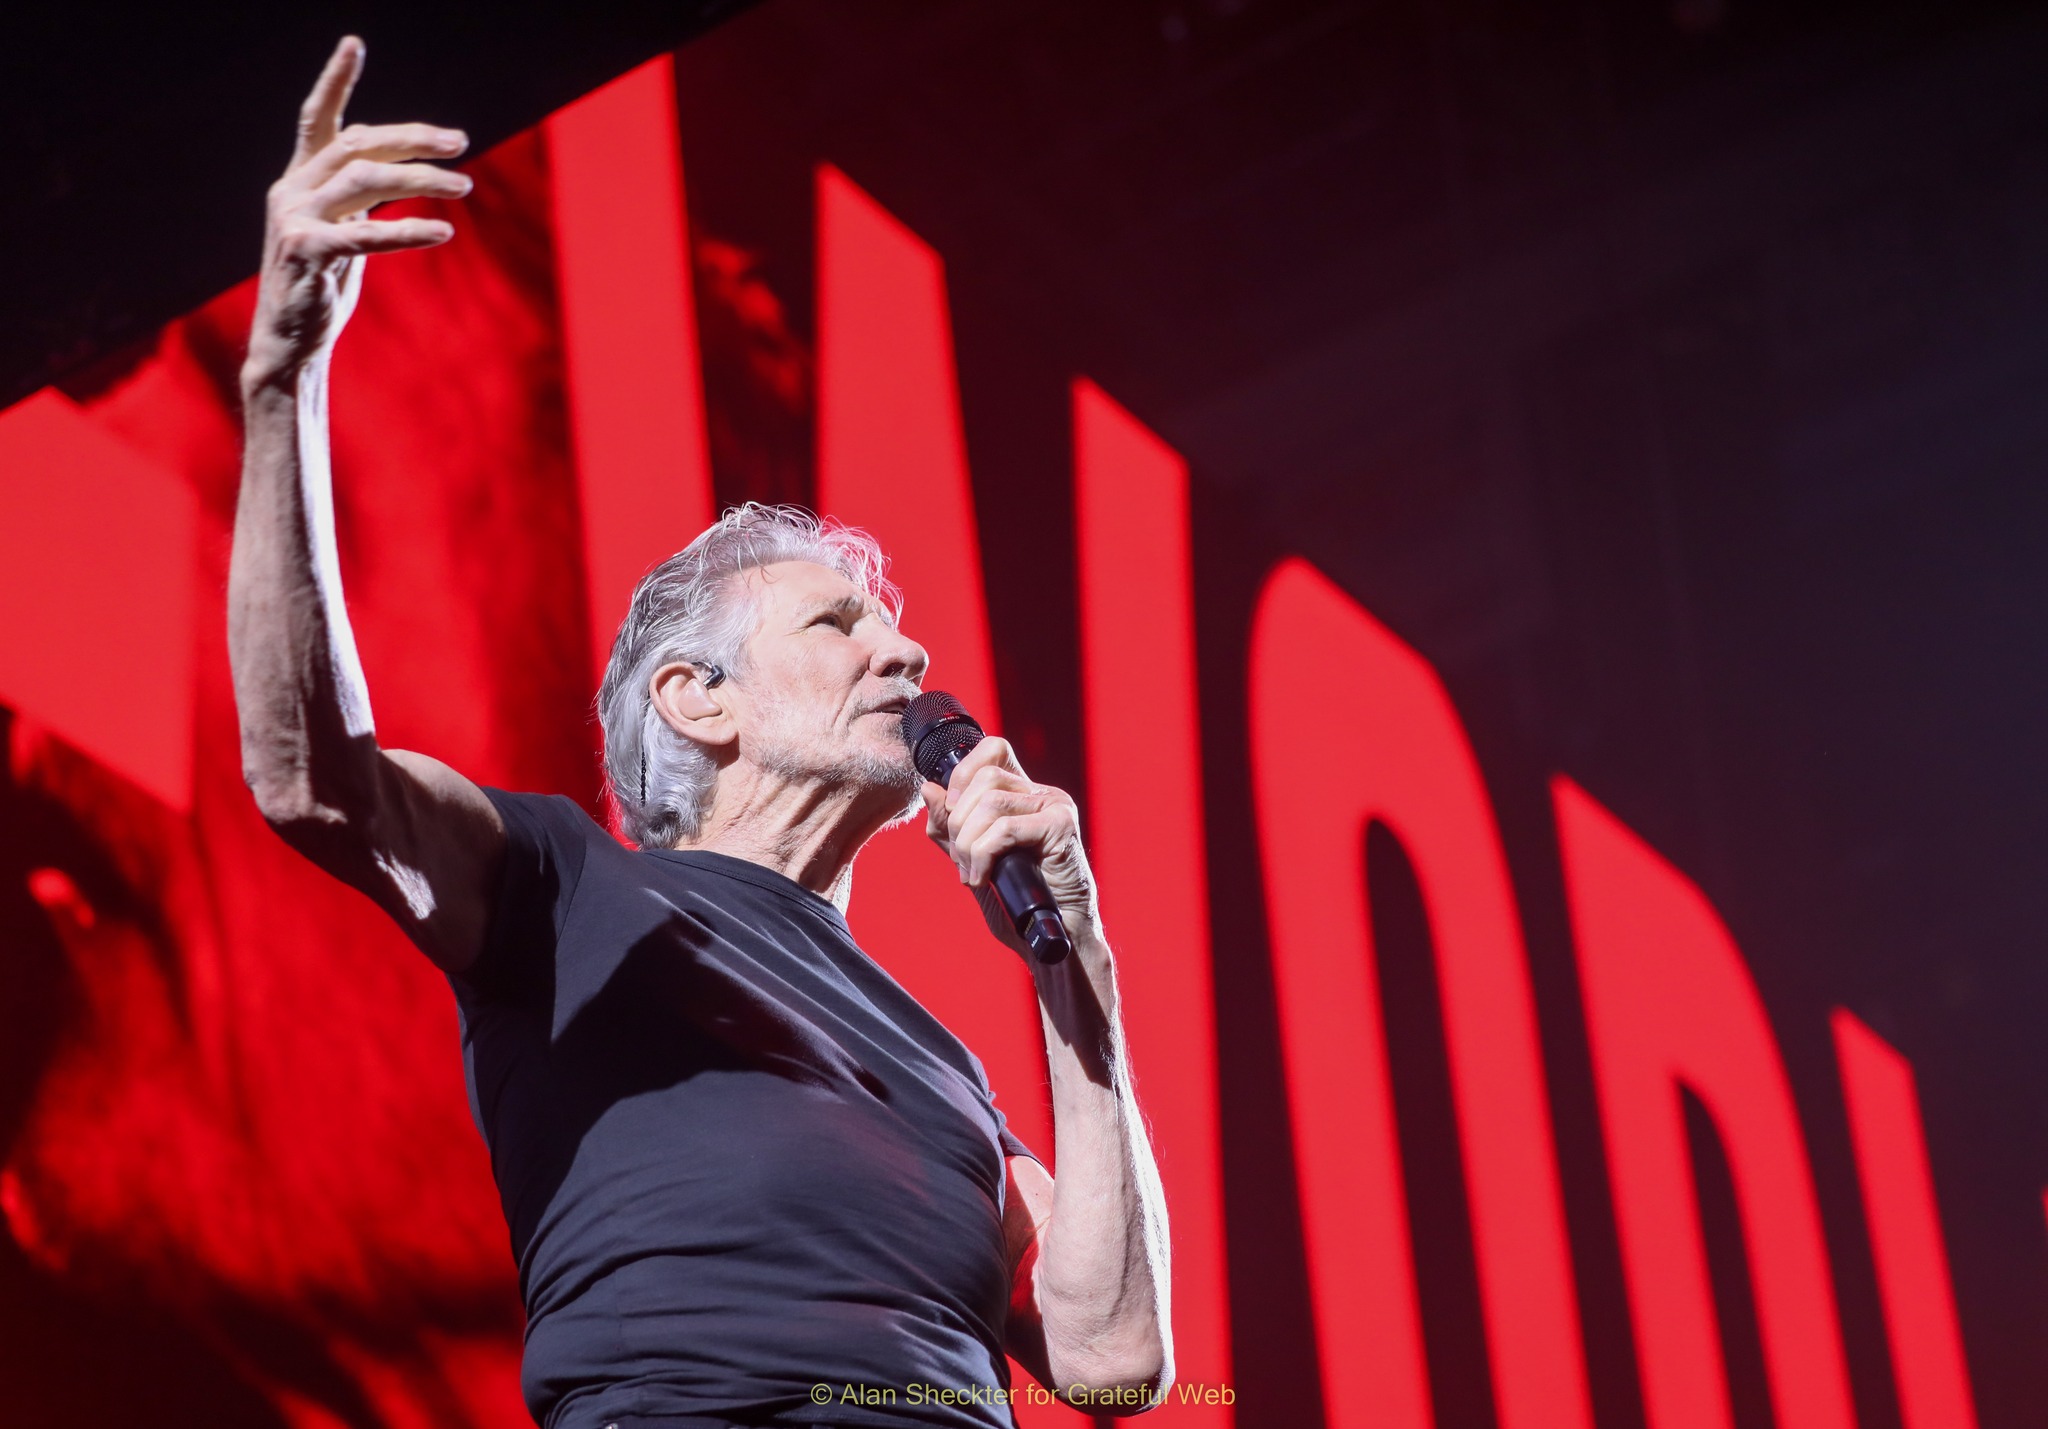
780,749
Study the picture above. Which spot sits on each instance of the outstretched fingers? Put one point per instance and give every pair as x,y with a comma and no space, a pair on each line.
380,143
320,115
389,235
317,227
362,184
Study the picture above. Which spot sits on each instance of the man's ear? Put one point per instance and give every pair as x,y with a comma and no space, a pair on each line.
685,696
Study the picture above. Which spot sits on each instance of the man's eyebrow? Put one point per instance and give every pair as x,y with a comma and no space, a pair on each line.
819,605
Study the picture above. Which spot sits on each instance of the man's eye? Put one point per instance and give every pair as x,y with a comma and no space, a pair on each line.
826,619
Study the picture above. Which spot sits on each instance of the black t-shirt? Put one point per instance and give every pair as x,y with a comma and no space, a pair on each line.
737,1159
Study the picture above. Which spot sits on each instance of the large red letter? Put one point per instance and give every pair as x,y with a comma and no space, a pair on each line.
1669,1002
96,591
629,335
1350,726
892,458
1905,1231
1145,809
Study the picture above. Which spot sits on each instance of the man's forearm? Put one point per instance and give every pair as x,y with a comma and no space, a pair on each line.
1103,1256
299,689
307,746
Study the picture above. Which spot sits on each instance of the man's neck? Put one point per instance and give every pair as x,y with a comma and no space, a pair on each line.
805,830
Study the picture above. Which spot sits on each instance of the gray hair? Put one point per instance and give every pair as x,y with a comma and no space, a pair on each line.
691,609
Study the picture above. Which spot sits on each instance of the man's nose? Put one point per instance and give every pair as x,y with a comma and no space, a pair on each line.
897,656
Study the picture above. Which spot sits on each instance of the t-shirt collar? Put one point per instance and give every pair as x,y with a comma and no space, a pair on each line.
748,871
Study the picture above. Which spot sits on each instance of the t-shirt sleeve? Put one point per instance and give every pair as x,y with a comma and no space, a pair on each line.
547,841
1013,1144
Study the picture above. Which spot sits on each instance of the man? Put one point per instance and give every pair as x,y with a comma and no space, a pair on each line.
745,1173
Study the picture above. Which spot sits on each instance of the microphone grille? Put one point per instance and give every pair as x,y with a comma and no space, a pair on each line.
933,725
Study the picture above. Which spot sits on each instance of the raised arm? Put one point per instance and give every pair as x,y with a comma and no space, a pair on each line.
412,833
1091,1282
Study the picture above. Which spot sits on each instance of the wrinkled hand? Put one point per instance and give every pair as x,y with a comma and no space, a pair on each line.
318,229
990,808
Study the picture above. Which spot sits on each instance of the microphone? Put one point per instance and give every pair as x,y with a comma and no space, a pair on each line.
939,731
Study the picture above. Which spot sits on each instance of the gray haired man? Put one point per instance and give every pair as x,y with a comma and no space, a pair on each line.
748,1179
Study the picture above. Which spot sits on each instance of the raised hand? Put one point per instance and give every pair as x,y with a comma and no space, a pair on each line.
318,229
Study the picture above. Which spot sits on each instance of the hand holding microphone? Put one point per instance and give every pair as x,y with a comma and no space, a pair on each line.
1017,842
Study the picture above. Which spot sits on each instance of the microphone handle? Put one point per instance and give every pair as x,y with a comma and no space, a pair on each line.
1021,889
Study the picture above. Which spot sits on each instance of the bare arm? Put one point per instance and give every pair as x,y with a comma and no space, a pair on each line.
1091,1289
1091,1284
412,833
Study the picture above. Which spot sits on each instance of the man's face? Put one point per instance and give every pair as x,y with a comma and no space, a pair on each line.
826,677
